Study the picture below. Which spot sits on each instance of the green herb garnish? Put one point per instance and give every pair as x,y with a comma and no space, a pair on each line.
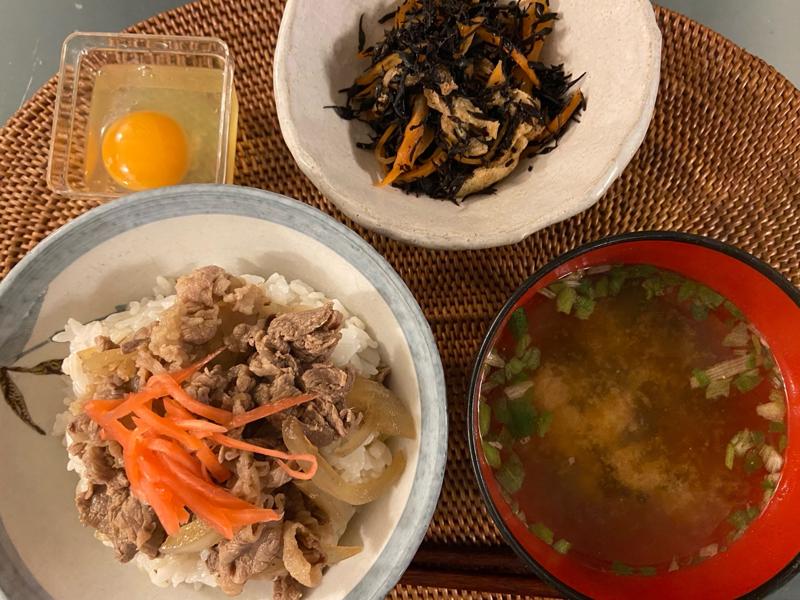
562,546
492,455
747,381
484,417
498,377
733,310
730,453
701,378
532,358
782,443
514,367
752,461
777,427
687,290
718,388
616,279
518,323
511,474
647,571
768,485
542,531
501,412
699,311
601,287
621,568
709,297
584,307
654,286
522,345
565,300
543,422
522,417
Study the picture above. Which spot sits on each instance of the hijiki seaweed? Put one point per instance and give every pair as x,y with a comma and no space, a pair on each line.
456,94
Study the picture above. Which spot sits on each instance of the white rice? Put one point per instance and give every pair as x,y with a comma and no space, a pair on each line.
356,348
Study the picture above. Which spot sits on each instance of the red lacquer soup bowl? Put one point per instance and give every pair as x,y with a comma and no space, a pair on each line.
766,556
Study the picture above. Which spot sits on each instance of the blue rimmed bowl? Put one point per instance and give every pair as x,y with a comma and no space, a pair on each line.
112,255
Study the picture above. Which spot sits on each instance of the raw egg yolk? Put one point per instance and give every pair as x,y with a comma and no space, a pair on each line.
145,149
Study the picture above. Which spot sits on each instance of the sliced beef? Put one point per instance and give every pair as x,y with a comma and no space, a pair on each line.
329,383
127,523
140,338
208,385
203,287
201,325
310,335
286,588
107,504
252,551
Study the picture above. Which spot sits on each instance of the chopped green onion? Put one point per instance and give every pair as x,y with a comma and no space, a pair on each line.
747,381
709,297
742,441
565,300
717,388
647,571
653,286
501,411
671,279
584,307
769,484
562,546
601,287
733,309
511,474
518,323
738,336
522,345
498,377
556,287
522,417
492,455
751,512
730,453
484,417
532,358
542,531
585,288
699,379
739,519
775,427
616,280
687,290
758,438
641,270
752,462
543,422
772,411
621,568
752,362
514,367
699,311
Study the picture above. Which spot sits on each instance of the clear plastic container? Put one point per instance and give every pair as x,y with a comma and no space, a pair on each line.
105,78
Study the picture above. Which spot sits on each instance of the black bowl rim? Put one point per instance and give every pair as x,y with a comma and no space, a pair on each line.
777,580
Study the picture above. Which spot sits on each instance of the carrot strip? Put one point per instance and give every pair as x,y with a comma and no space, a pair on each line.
411,136
554,126
268,409
175,410
497,77
230,442
184,399
198,425
382,142
515,54
176,453
426,168
182,375
134,401
210,461
402,12
378,69
157,499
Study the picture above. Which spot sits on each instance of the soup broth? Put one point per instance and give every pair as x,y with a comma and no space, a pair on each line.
634,419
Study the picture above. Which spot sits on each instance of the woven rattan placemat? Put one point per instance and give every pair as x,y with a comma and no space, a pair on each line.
721,158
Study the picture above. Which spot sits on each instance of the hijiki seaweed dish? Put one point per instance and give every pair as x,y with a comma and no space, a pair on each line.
456,94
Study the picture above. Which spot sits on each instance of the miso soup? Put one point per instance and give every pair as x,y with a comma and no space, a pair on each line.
633,418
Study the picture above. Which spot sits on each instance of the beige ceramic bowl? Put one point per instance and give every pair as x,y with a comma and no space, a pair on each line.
615,42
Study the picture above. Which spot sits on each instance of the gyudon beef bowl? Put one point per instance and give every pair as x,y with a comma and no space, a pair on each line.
250,396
